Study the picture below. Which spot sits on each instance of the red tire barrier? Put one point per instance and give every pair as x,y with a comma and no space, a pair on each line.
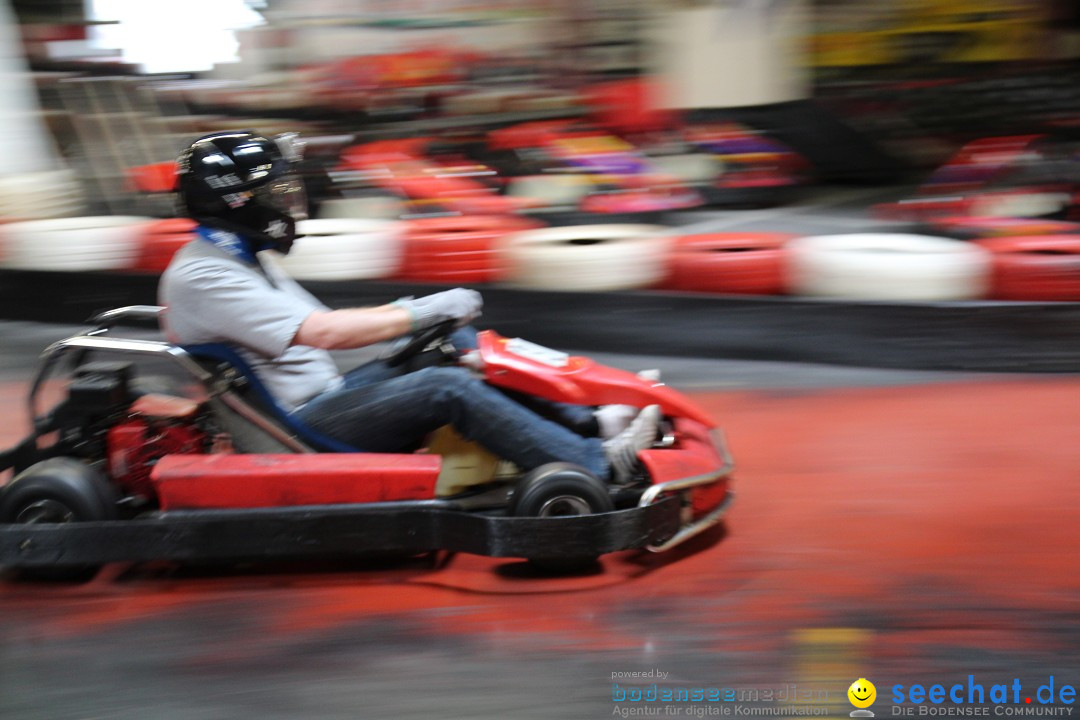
459,277
736,263
159,242
1045,267
458,249
971,228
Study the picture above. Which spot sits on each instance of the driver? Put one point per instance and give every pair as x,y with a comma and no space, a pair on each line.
243,192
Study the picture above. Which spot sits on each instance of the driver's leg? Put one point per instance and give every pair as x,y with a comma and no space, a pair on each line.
581,419
391,416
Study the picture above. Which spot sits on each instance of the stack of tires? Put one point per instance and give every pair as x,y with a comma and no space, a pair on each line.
99,243
735,263
1032,259
587,257
887,266
345,249
469,250
458,250
858,266
1037,268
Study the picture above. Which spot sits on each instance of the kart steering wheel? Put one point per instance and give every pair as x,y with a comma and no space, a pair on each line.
409,346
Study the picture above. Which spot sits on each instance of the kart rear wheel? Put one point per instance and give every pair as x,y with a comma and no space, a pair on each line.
560,490
57,490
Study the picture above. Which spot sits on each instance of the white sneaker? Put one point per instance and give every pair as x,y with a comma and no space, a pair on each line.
652,374
622,450
613,419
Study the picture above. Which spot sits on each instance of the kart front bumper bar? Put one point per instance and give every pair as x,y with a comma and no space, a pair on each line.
689,527
256,534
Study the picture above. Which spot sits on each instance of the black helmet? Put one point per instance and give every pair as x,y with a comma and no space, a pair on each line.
243,182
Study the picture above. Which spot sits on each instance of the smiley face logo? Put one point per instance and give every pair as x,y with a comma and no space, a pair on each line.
862,693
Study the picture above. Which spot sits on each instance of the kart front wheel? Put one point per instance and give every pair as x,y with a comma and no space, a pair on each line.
560,490
57,490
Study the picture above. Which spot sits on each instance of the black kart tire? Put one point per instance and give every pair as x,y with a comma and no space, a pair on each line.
559,490
58,490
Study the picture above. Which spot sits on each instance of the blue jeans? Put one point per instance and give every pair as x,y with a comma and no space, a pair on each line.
385,409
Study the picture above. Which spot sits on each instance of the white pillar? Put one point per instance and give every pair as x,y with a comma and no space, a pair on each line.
28,146
731,53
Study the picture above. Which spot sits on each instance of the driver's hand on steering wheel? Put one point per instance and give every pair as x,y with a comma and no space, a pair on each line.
460,305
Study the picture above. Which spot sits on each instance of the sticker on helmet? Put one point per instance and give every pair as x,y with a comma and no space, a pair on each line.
222,181
235,200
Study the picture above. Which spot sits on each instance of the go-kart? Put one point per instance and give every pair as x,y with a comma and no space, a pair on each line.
579,173
755,170
401,170
1016,176
143,450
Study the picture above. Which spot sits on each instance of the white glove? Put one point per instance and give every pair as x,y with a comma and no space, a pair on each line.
460,305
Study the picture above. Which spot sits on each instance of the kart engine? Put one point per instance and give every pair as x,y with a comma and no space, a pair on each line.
134,446
103,419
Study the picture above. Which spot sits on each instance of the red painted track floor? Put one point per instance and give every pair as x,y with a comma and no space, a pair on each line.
904,534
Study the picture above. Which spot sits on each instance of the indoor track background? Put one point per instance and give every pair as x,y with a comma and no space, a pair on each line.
899,526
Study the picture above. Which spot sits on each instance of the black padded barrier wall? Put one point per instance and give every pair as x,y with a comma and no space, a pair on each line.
969,335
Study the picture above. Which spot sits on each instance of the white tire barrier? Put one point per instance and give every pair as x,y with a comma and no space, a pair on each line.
345,249
887,266
587,257
105,242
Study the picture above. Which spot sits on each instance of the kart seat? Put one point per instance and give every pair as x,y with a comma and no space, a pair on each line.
255,390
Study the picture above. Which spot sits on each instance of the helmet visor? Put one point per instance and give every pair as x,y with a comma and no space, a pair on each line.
285,194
